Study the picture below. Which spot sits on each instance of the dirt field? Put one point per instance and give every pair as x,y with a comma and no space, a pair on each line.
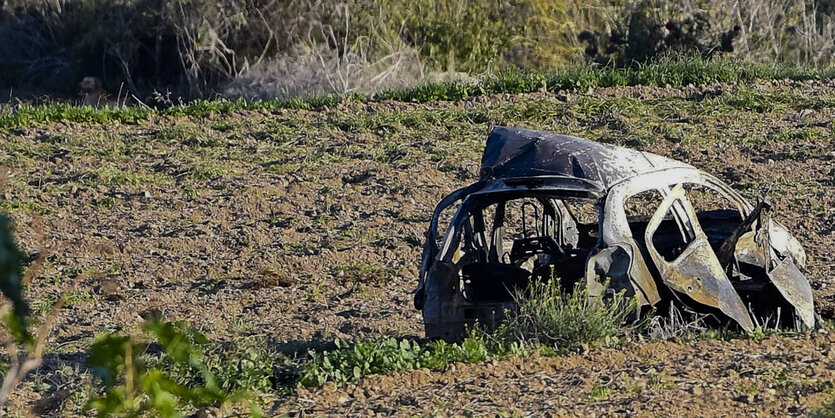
297,227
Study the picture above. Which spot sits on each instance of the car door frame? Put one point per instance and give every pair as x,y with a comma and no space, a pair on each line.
616,232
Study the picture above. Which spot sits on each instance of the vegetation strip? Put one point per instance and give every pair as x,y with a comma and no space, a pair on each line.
547,321
673,72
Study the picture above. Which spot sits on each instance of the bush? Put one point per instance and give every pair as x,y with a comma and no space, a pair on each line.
132,387
548,316
781,31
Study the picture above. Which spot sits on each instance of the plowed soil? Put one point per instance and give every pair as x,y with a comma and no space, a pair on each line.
302,226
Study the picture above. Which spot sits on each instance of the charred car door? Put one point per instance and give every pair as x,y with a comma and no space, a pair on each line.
692,268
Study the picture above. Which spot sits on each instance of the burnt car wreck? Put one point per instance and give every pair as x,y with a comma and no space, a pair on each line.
549,205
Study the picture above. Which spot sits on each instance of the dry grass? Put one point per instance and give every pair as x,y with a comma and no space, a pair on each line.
366,60
789,31
271,48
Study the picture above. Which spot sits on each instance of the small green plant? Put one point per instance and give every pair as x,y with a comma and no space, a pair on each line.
658,381
826,410
206,171
747,388
599,391
131,387
316,294
351,362
353,271
246,364
629,385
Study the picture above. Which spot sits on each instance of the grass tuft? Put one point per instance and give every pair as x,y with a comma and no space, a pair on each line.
548,316
353,272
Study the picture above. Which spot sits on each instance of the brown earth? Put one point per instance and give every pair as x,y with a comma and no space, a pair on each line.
302,226
777,376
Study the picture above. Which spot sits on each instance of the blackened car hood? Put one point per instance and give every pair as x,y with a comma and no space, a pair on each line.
514,152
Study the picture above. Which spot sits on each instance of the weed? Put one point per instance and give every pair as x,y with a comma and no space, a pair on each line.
28,207
599,391
114,268
206,171
355,271
588,323
107,202
247,364
78,298
204,141
413,240
42,307
747,388
546,315
351,362
111,176
629,386
659,381
315,294
786,378
185,378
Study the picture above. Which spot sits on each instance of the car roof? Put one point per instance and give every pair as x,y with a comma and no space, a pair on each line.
515,152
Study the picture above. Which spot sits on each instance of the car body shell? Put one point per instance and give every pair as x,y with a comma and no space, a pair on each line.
745,270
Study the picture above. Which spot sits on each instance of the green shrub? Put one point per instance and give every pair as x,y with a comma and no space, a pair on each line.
547,316
246,364
132,387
